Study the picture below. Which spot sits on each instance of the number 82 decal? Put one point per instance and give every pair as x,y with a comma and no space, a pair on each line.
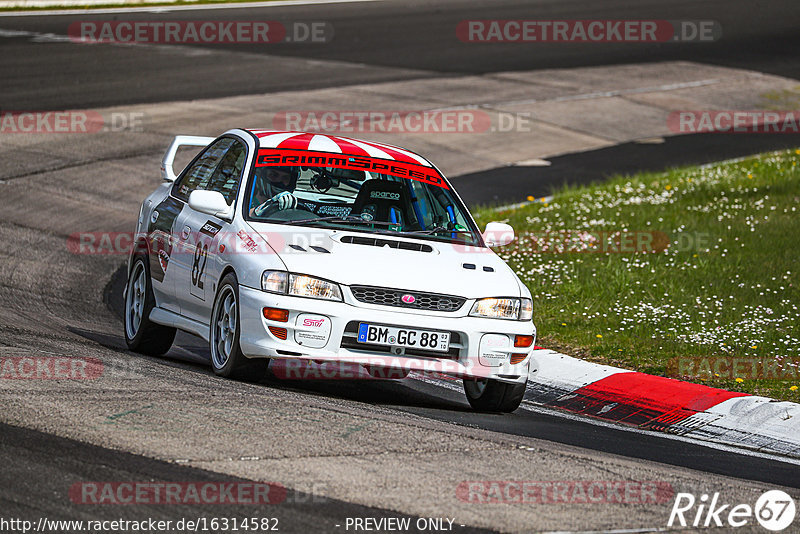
199,264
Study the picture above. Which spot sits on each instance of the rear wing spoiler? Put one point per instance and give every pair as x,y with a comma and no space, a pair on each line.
167,173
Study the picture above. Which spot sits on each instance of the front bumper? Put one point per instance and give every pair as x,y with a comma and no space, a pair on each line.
477,348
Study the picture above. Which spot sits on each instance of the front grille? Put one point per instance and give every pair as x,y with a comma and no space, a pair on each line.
350,341
384,296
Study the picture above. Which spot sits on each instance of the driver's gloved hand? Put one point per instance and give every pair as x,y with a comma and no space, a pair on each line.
284,199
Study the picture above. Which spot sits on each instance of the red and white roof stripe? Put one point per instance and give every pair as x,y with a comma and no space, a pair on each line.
336,144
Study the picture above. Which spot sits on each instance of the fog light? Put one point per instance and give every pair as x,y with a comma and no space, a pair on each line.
523,341
280,333
276,314
517,358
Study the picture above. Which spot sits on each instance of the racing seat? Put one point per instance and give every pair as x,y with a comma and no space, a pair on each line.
387,201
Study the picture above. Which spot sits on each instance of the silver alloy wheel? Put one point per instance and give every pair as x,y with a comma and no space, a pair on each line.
134,301
224,327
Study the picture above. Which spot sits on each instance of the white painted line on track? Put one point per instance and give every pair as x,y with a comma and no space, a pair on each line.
167,9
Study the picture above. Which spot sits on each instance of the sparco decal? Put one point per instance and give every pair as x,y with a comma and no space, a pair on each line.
385,194
210,228
273,157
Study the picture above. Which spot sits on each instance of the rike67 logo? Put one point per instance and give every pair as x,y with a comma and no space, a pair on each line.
774,510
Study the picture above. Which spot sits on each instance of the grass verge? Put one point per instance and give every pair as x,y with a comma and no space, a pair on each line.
691,274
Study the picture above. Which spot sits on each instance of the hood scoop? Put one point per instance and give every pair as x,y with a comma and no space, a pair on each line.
391,243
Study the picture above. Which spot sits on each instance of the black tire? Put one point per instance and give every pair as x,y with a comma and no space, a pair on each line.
146,337
487,395
227,359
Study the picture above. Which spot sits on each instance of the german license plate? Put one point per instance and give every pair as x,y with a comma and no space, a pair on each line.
410,338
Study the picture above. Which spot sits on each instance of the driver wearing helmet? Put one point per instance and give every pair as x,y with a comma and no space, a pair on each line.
273,187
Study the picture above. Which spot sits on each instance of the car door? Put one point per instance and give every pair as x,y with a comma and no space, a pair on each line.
161,243
200,234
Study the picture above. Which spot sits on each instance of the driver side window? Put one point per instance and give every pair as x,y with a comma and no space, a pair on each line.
218,169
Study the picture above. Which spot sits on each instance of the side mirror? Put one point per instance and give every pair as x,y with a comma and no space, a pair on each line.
498,234
210,203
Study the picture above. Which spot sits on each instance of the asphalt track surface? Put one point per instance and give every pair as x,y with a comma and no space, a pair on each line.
45,467
65,304
373,41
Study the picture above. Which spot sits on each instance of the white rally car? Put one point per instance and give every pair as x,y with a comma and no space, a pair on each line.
289,245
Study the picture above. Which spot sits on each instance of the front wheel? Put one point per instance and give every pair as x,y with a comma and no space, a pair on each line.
227,359
141,334
487,395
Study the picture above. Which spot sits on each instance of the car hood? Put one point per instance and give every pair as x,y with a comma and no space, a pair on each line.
441,268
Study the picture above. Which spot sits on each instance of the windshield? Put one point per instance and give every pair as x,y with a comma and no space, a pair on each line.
364,201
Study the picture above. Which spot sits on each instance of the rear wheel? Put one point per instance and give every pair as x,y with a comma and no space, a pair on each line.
227,359
487,395
141,334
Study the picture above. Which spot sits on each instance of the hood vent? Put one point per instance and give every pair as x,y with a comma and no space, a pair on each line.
312,247
378,242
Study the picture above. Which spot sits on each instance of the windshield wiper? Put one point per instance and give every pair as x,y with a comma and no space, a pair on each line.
440,229
336,218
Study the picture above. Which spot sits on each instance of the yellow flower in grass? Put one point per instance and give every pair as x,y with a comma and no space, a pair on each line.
599,336
793,388
740,380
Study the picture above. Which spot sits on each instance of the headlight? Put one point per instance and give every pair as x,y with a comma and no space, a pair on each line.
526,310
503,308
300,285
274,281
